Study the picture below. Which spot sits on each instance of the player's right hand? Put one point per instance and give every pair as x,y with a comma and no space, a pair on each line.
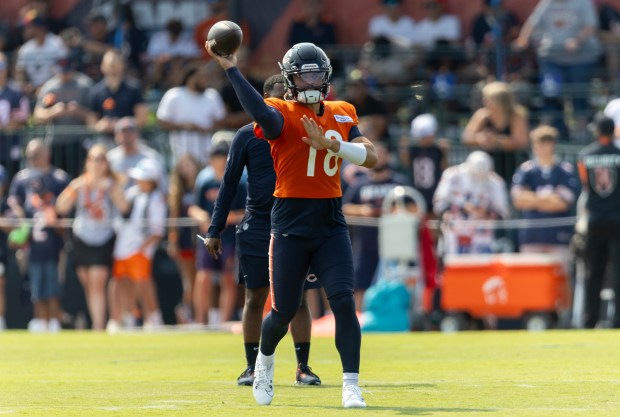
214,246
226,62
316,137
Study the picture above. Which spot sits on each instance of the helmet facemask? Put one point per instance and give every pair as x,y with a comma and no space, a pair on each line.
306,73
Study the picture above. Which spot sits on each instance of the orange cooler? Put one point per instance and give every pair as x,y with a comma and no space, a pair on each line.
504,285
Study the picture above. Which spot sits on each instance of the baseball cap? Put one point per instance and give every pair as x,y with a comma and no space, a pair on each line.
222,135
96,16
221,149
67,64
147,169
423,126
32,17
479,164
125,123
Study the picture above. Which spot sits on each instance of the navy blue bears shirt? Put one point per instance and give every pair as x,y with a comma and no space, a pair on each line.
36,192
253,233
425,164
562,179
206,195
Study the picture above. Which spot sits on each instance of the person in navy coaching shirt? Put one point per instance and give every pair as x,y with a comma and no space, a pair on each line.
247,151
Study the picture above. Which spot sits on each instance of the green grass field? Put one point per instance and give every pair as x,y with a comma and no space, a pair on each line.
555,373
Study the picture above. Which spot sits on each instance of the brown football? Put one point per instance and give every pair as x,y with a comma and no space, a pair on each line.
226,36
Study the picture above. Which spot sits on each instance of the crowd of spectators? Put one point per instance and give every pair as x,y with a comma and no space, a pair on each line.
102,92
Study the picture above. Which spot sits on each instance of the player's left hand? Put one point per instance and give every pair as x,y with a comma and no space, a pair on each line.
214,246
315,137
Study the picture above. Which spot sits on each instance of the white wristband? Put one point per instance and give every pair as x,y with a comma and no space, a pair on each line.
353,152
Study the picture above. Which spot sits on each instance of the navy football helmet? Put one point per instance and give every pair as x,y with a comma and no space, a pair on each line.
307,71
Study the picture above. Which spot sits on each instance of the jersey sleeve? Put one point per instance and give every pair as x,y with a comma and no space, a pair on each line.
254,104
354,132
441,199
95,102
277,106
345,112
17,192
568,187
519,178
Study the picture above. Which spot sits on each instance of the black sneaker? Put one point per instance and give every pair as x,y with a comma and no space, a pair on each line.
305,376
247,377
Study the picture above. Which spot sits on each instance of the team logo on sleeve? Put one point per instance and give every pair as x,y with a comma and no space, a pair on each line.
342,118
604,181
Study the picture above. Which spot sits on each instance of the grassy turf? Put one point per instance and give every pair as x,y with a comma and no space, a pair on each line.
556,373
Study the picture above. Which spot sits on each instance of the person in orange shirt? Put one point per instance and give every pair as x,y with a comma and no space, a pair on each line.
309,137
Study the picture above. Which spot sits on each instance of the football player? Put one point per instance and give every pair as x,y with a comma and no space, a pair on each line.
309,137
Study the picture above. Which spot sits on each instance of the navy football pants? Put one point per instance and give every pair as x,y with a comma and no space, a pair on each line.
332,262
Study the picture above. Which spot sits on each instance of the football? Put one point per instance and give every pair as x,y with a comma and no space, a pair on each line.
225,37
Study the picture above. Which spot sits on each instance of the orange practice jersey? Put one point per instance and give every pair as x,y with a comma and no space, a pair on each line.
302,171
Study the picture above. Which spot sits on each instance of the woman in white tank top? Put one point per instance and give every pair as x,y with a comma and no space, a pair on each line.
96,196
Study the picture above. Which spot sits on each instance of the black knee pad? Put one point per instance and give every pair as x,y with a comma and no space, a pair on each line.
342,303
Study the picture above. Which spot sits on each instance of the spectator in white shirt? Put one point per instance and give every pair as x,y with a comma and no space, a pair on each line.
470,191
168,51
136,242
37,58
437,26
389,56
191,113
393,25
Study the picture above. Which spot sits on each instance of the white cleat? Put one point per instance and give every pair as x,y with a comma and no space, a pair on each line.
54,326
352,397
113,327
37,326
262,388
